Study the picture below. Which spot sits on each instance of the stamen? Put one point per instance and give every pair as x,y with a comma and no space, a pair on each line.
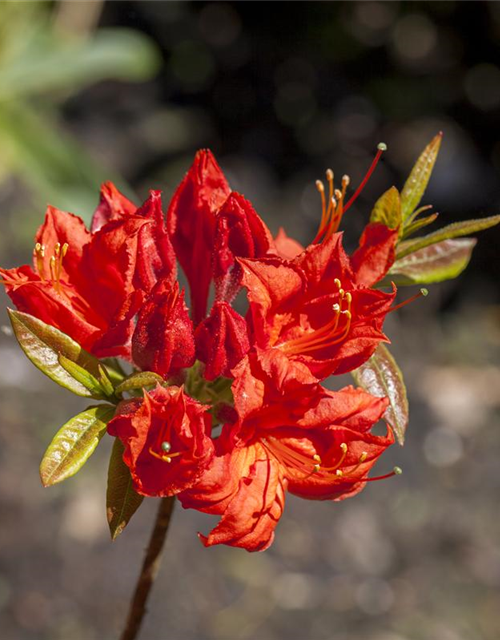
381,148
328,335
422,292
397,471
39,256
291,459
343,448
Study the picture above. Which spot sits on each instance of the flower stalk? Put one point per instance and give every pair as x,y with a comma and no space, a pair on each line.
149,569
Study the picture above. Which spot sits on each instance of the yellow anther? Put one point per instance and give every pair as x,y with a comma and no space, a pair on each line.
320,186
316,468
345,181
316,458
337,283
343,447
339,473
338,194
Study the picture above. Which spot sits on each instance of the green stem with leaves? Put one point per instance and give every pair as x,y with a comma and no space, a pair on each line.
149,569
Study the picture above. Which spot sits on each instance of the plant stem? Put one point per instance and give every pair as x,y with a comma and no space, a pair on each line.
149,569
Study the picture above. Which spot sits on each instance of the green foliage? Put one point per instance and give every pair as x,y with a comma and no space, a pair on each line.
418,179
33,81
454,230
58,356
382,377
437,256
120,54
419,224
441,261
122,501
139,381
74,443
387,209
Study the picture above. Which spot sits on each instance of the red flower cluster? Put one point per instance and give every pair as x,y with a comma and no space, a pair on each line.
312,312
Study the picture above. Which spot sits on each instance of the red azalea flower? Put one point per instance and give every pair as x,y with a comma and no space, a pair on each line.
163,339
314,310
167,440
90,285
293,435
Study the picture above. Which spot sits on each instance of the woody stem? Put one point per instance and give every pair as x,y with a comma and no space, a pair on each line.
149,569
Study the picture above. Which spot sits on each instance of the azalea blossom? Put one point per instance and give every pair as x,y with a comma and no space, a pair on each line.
88,284
167,441
314,309
290,435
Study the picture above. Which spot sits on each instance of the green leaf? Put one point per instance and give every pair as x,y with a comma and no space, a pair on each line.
139,380
387,209
109,54
74,443
418,179
419,224
83,376
454,230
45,345
105,381
122,501
382,377
441,261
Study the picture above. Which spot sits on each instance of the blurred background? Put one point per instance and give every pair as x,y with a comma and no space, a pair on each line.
128,91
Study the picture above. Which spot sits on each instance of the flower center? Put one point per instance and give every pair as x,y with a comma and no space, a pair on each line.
55,263
333,209
163,446
330,334
296,462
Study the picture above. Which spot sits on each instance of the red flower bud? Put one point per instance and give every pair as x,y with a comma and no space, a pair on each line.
221,340
239,232
191,224
163,340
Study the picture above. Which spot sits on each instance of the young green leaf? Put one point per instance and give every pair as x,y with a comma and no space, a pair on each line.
454,230
418,179
82,376
139,380
44,345
382,377
74,443
438,262
419,224
105,381
387,209
121,499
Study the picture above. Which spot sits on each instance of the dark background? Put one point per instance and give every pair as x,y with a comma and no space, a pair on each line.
279,91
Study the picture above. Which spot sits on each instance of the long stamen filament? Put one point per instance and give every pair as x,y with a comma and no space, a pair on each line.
381,148
422,292
397,471
326,336
343,449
